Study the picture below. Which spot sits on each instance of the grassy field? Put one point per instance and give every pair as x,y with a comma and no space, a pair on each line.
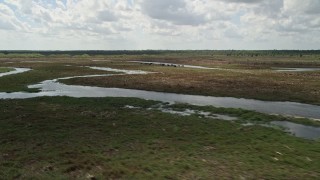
63,138
97,138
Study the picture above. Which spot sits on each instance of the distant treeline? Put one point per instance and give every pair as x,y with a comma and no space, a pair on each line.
14,53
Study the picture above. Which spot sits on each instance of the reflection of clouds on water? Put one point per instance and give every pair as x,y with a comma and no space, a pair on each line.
299,130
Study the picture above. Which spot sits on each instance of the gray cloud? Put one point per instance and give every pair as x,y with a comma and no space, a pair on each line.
244,1
174,11
5,25
106,15
310,6
270,8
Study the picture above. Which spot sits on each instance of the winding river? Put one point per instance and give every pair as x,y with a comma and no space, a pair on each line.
16,71
55,88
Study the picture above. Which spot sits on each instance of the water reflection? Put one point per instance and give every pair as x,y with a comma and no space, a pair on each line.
299,130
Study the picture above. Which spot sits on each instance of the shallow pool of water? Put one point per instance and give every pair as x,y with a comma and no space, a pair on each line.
172,65
35,61
101,60
16,71
299,130
188,112
296,69
119,70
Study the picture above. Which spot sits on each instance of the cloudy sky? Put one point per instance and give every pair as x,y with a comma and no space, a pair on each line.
159,24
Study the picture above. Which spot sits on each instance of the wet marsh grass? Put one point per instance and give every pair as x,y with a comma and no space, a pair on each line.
66,138
246,116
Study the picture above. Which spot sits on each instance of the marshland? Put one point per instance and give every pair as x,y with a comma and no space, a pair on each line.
160,114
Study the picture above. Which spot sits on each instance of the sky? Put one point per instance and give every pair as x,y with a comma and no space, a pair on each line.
159,24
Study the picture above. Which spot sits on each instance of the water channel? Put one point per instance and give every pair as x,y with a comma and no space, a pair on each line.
54,88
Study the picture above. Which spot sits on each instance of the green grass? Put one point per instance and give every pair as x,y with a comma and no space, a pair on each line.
63,138
4,69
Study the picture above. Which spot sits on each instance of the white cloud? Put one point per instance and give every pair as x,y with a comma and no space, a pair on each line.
8,20
147,24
